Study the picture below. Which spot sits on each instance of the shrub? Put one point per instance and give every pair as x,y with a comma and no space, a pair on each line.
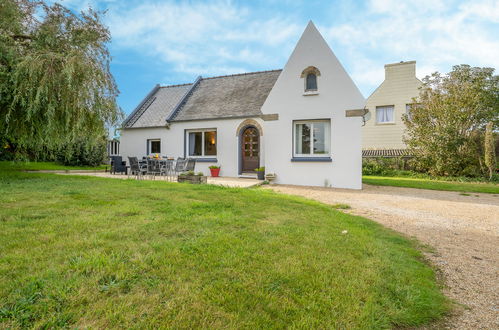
82,153
385,166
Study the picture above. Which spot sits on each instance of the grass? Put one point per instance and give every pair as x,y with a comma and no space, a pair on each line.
86,252
341,206
421,183
39,166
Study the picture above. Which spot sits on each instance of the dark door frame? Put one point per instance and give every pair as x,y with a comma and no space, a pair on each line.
240,146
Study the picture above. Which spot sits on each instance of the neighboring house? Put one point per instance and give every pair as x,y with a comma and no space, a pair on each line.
382,135
292,121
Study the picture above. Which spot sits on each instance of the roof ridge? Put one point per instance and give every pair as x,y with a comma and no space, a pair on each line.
177,85
242,74
184,98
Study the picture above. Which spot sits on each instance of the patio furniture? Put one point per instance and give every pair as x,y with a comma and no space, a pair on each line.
117,165
180,165
136,168
191,164
153,167
167,168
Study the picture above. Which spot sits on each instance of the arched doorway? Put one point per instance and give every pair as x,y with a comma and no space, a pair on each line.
250,149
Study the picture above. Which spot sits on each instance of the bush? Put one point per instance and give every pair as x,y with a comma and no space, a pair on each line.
385,166
82,153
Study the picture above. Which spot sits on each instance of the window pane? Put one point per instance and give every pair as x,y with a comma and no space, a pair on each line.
311,82
155,147
408,109
320,143
302,139
384,114
210,143
195,143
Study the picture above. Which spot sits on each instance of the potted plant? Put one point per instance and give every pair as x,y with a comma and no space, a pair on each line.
191,177
215,170
260,173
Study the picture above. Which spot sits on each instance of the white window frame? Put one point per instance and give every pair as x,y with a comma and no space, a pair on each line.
149,146
202,130
327,138
385,122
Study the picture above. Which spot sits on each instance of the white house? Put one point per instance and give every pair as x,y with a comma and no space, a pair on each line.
302,123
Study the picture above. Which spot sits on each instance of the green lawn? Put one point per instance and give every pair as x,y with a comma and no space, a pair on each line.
420,183
89,252
37,166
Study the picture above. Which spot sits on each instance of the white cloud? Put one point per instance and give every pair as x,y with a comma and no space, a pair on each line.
221,37
203,38
437,34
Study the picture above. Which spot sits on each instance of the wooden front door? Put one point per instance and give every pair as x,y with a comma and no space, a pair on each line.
250,149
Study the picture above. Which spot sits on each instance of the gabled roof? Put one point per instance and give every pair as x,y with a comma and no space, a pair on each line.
231,96
157,106
239,95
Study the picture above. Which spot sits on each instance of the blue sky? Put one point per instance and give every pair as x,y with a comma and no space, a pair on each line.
171,42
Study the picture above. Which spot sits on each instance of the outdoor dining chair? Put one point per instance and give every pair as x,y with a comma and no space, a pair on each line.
167,169
153,167
190,165
180,166
117,165
136,168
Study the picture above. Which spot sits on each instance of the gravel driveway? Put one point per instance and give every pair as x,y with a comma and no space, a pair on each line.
463,232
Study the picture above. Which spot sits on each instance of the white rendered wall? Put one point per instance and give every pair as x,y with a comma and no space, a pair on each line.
134,143
337,93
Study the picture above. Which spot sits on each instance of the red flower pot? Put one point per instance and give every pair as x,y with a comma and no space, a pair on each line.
215,172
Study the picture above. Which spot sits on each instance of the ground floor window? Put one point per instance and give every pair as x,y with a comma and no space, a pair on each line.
153,146
201,143
312,138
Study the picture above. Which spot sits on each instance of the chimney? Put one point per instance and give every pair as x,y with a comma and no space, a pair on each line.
400,70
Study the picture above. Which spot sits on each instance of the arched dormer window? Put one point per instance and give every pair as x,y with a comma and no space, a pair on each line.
311,82
310,74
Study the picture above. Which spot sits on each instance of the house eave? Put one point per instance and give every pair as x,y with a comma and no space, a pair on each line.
215,118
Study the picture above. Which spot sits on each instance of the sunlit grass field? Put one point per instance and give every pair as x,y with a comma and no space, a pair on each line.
89,252
419,183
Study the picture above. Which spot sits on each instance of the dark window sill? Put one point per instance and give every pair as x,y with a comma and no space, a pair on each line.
311,159
206,160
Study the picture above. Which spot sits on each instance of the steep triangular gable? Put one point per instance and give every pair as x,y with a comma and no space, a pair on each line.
334,82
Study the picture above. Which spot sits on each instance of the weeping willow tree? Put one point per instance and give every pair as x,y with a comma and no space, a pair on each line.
56,88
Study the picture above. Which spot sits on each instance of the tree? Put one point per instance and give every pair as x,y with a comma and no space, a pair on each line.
55,82
446,126
490,149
